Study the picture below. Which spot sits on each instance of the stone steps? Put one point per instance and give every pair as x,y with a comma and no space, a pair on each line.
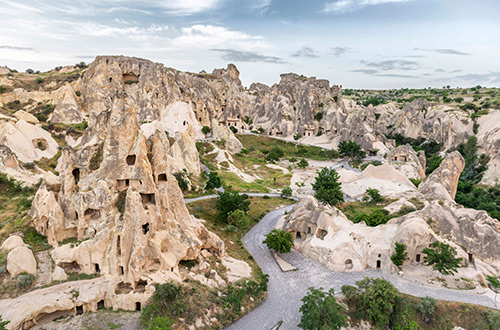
44,274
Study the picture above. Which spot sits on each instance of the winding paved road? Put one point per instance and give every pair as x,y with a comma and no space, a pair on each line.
287,289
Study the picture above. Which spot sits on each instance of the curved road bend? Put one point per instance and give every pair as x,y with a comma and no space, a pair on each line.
287,289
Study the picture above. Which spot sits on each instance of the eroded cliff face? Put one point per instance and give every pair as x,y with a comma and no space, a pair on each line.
118,199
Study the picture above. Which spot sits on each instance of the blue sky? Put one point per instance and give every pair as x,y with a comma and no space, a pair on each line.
354,43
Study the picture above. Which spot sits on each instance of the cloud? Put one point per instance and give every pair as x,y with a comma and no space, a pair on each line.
493,77
346,6
450,51
393,65
456,71
337,51
305,51
439,70
187,7
245,56
15,47
396,75
365,71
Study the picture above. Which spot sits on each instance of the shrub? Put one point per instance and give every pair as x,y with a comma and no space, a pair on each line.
372,195
131,82
182,180
233,298
303,163
166,293
318,116
320,310
39,80
350,292
494,281
95,161
286,192
399,255
274,154
24,280
327,187
493,320
441,257
296,136
279,240
426,306
233,129
350,149
238,218
30,71
377,300
214,181
228,202
205,130
416,182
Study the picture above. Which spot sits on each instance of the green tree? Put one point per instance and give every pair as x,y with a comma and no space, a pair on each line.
318,116
327,187
228,202
286,192
3,323
274,154
400,254
233,129
350,149
303,163
279,240
214,181
377,300
296,136
426,306
372,195
320,310
442,258
182,180
205,130
238,218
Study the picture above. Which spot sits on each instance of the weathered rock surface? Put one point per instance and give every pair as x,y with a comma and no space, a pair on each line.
407,161
67,110
21,260
184,152
442,183
12,242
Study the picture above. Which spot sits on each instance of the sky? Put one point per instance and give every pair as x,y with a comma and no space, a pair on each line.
373,44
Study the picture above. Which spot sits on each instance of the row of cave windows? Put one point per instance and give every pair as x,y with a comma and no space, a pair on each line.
100,305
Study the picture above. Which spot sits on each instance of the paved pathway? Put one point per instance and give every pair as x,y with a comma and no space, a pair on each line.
190,200
44,272
287,289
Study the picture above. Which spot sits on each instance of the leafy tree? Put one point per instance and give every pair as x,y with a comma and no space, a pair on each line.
30,71
372,195
233,129
399,255
296,136
286,192
374,101
205,130
377,300
441,257
3,324
214,181
350,149
303,163
458,99
279,240
238,218
228,202
327,187
320,310
274,154
318,116
372,219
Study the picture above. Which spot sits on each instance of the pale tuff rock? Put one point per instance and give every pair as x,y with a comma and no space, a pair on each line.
385,178
67,110
12,242
184,153
488,137
442,183
4,70
408,162
59,274
220,132
27,141
27,117
21,260
236,269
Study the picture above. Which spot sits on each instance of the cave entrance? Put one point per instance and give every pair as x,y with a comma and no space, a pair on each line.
79,310
145,228
471,257
97,268
70,267
138,306
100,304
76,175
348,264
298,235
148,199
162,177
378,264
417,258
122,271
131,160
92,214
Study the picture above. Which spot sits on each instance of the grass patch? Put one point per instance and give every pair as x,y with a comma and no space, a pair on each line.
47,164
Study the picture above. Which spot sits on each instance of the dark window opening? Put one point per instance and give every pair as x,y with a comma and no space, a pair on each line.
145,228
308,230
123,288
76,215
184,123
100,304
76,175
110,79
417,259
79,310
127,182
199,119
141,286
91,214
118,246
471,257
107,62
122,270
130,159
97,268
138,306
298,235
379,255
70,267
321,233
162,177
148,199
378,263
348,264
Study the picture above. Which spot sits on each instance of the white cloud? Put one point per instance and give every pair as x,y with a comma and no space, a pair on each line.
345,6
187,7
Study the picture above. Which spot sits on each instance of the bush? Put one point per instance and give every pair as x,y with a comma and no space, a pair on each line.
286,192
39,80
327,187
320,310
351,149
30,71
303,163
377,300
274,154
214,181
228,202
233,129
399,255
426,306
372,195
279,240
166,293
205,130
350,292
24,280
494,281
441,257
239,219
296,136
318,116
416,182
493,320
182,180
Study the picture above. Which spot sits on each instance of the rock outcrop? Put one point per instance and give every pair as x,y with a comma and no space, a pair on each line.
21,260
442,183
67,110
407,161
185,154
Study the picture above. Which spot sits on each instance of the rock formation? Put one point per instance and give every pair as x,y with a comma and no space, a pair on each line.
406,160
